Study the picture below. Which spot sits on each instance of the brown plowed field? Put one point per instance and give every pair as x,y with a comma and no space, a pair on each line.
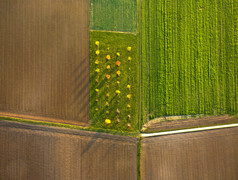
39,152
44,64
205,155
153,126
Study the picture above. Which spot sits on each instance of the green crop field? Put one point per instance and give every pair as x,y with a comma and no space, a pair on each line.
114,81
189,57
186,59
113,15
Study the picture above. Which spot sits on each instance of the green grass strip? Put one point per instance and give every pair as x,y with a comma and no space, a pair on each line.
139,158
68,126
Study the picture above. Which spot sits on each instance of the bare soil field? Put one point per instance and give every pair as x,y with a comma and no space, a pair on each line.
40,152
163,124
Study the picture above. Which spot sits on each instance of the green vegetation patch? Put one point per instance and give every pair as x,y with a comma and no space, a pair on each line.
113,15
114,77
189,57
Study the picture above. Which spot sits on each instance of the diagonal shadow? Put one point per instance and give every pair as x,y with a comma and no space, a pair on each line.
91,142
